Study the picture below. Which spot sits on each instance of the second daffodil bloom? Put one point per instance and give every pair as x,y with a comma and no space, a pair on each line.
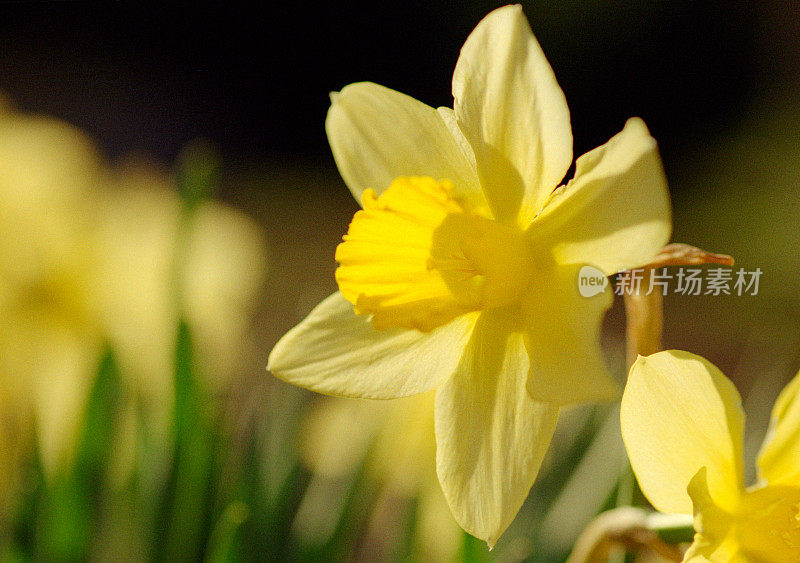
682,422
460,273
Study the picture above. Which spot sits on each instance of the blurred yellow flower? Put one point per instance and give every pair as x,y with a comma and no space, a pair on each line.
395,439
87,256
682,424
50,174
136,246
460,273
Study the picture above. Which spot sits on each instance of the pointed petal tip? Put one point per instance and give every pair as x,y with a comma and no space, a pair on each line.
510,10
273,365
334,96
516,9
637,125
636,122
274,357
271,360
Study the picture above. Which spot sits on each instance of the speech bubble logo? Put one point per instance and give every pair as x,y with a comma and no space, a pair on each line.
591,281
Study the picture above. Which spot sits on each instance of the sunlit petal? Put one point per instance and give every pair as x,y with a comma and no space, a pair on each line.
680,413
337,352
491,436
615,213
450,119
513,113
563,340
377,134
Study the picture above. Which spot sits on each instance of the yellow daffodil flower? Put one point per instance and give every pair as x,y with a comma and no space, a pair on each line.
682,423
460,273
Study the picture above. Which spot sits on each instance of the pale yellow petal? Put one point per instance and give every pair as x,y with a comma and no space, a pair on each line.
377,134
680,413
64,375
449,118
336,352
779,459
615,213
513,113
563,340
475,199
490,435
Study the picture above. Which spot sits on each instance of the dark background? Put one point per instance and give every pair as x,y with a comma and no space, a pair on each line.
256,82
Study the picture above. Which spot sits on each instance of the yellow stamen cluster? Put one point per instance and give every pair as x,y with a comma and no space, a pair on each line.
418,256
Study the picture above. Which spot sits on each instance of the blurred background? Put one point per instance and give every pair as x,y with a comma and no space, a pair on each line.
145,276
